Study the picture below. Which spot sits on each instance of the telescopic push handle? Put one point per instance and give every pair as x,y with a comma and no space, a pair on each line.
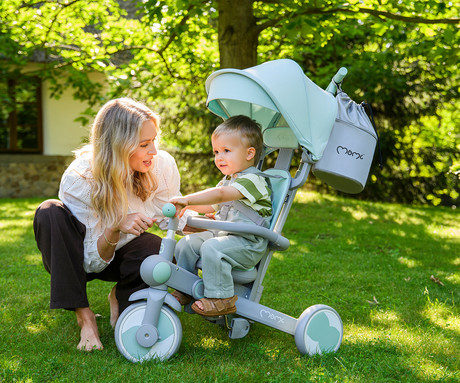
337,79
340,75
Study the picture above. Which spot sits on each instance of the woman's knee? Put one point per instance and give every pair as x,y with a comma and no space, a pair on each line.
49,208
45,214
53,215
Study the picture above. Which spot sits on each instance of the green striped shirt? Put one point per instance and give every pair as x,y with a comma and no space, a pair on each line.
256,192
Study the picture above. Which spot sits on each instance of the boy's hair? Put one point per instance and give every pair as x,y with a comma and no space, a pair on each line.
249,130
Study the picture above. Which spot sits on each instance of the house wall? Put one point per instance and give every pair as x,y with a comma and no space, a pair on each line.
61,133
31,175
34,175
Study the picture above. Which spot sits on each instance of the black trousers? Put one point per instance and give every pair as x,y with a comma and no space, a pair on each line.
59,236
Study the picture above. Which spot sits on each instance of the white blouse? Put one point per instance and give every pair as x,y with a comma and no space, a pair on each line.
75,193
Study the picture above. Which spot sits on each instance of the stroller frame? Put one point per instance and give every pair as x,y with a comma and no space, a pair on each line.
150,329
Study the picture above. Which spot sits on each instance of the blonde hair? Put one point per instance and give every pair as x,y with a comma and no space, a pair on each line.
114,138
248,129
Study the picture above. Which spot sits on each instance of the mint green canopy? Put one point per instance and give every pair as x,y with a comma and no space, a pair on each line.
277,94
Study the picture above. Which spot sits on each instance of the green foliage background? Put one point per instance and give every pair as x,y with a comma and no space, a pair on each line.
402,58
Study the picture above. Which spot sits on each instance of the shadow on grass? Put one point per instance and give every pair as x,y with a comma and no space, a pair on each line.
373,263
343,253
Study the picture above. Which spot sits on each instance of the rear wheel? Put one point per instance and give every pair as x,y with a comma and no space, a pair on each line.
319,330
169,332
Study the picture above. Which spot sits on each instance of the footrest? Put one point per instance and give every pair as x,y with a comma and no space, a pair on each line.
239,328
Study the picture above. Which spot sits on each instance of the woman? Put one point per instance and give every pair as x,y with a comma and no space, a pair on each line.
109,196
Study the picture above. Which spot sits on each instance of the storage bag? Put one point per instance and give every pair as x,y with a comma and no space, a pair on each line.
347,159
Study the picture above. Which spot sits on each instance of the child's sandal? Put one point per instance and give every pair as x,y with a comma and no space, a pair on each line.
182,298
213,307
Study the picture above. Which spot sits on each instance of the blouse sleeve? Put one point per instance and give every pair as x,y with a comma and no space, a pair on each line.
75,193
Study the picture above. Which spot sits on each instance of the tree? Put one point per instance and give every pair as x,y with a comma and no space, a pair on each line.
402,57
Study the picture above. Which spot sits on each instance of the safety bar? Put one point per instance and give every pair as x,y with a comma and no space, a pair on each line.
276,241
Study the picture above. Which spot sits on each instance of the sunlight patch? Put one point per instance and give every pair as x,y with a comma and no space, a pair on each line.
214,343
410,263
444,232
454,278
432,369
398,232
37,322
401,217
358,334
385,318
35,328
351,241
441,315
356,212
33,259
12,364
305,196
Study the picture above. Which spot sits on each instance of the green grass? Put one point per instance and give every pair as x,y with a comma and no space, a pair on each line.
343,253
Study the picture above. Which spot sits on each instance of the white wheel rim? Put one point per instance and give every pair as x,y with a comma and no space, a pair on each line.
323,333
162,349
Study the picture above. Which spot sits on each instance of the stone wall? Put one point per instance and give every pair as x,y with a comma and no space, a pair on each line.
31,175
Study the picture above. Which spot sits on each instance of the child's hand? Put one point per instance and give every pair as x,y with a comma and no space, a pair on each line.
179,203
210,215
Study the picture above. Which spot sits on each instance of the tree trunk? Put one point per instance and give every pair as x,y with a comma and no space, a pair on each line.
238,34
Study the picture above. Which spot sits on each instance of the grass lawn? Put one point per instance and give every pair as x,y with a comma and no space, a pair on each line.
391,271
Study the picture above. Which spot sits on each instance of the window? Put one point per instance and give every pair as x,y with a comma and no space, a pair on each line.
20,115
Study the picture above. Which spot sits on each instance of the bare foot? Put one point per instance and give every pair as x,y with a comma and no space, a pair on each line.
114,308
89,335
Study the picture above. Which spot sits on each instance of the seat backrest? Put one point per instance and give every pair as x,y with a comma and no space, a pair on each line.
280,187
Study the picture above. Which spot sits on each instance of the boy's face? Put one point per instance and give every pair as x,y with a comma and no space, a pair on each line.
231,154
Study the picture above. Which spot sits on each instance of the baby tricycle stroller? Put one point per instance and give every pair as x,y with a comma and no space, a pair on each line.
296,117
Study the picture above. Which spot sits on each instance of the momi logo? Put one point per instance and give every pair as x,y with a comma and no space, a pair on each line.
344,150
269,315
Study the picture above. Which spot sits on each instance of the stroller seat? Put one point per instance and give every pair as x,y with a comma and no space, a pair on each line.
280,181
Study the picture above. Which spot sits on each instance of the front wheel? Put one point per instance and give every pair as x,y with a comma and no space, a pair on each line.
319,330
169,334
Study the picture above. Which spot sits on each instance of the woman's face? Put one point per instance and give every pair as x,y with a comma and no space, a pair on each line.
141,159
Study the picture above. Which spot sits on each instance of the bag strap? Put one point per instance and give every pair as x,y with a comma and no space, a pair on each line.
338,85
364,105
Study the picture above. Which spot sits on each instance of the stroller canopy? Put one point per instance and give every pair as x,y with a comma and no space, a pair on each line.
277,94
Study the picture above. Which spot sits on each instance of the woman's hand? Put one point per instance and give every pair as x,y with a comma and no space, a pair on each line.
135,223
